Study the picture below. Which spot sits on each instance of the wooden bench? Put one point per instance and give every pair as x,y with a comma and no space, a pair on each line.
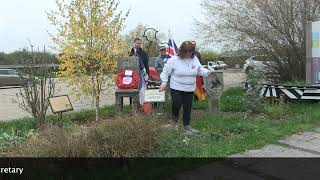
133,94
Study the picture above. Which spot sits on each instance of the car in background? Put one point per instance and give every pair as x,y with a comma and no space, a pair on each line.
259,63
9,77
212,65
216,65
222,65
254,63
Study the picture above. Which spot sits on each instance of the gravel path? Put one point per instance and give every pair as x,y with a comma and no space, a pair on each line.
9,108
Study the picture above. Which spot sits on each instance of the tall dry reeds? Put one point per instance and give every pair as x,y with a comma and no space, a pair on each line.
127,136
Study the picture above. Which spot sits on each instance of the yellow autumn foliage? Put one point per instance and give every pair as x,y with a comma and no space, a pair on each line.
88,37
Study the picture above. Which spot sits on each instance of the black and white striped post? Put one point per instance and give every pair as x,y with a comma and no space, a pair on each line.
291,92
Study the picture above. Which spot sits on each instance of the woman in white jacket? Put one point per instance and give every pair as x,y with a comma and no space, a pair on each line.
183,70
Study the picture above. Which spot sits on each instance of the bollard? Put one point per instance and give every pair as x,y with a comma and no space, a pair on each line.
213,84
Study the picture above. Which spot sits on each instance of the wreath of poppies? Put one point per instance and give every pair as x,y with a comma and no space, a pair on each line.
132,85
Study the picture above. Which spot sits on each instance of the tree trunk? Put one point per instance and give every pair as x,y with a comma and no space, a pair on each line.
97,107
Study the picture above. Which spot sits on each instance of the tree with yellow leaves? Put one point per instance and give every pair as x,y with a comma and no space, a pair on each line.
88,37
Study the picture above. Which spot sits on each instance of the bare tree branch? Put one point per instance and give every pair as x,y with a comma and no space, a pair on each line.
276,28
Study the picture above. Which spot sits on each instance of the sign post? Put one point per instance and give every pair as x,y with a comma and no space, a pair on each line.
60,104
154,95
213,85
313,52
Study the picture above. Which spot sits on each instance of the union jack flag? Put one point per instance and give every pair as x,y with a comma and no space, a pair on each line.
172,48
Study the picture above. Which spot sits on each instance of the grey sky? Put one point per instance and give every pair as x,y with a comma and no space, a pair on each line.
21,20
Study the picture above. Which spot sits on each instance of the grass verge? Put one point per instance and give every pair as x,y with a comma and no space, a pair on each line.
220,135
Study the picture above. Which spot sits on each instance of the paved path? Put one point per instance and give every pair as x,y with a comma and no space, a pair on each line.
264,163
9,108
306,144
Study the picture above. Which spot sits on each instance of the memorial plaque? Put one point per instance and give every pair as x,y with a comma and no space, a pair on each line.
213,84
60,104
153,95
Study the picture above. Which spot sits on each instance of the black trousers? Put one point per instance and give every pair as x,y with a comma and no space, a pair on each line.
181,98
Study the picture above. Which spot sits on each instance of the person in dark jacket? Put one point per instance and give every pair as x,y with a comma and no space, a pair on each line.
138,51
196,53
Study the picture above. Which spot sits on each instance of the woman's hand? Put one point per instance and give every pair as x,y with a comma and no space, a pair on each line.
162,87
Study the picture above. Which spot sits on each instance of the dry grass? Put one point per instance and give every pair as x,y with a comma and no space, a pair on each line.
127,136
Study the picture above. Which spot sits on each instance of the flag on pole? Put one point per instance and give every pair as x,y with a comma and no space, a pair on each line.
172,48
199,92
143,81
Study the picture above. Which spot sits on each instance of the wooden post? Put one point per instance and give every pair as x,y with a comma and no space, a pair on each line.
214,104
60,124
213,85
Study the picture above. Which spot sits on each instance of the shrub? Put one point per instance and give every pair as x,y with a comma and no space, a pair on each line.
255,80
133,136
208,55
128,137
38,85
277,111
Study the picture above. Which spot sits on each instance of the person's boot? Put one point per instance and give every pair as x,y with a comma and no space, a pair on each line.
189,130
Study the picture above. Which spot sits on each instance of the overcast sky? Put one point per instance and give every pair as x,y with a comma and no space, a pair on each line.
21,20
